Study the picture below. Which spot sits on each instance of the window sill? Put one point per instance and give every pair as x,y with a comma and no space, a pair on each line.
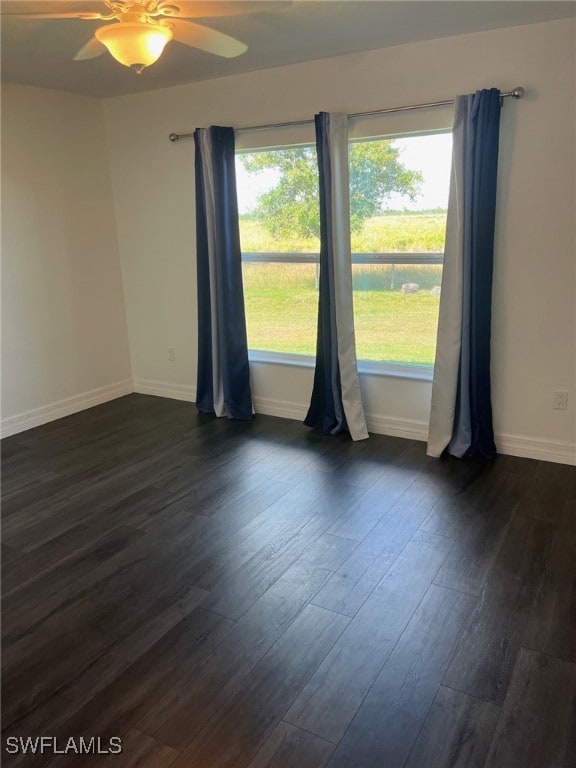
396,370
279,358
393,370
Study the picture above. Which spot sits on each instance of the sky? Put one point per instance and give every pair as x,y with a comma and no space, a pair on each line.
429,154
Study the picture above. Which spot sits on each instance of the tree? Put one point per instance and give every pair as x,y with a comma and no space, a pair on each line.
291,207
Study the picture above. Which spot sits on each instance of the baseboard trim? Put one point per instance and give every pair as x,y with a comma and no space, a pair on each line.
165,389
511,445
408,428
284,409
535,448
12,425
380,425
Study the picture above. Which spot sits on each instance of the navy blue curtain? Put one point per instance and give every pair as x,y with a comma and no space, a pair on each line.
461,413
223,382
336,403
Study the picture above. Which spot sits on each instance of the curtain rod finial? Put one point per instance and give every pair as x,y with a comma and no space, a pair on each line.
518,92
173,137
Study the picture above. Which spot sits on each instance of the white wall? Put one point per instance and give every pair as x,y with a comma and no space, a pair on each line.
64,336
534,322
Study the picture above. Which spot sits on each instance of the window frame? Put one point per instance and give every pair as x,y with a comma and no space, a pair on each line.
371,367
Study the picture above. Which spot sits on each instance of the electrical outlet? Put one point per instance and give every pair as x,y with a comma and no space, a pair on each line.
560,401
171,354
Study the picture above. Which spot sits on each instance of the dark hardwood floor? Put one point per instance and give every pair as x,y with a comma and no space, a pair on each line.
256,595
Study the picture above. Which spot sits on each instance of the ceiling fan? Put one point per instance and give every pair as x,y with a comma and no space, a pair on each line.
141,30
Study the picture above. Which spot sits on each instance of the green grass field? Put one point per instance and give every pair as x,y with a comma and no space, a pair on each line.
282,299
282,310
417,232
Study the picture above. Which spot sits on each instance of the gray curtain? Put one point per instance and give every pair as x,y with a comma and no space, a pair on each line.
223,383
336,403
461,409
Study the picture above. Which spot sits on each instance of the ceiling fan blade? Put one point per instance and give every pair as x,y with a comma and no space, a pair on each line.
91,50
76,15
214,8
206,39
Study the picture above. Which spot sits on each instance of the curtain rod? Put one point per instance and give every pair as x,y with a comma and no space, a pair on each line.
515,93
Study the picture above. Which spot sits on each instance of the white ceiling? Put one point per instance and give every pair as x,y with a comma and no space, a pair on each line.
40,52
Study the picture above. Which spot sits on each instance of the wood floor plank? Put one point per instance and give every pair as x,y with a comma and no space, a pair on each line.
140,751
365,464
29,607
85,659
101,673
182,712
357,523
44,719
22,471
40,522
450,476
484,659
456,734
394,479
551,626
144,628
453,516
44,558
550,494
389,720
537,727
229,508
226,537
127,528
69,480
472,557
99,615
17,568
347,590
331,699
12,449
237,732
116,709
309,514
288,747
273,528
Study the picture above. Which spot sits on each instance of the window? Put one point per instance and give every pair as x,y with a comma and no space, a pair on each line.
280,239
397,251
398,202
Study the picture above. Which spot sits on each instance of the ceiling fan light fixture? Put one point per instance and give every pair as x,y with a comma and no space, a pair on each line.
135,44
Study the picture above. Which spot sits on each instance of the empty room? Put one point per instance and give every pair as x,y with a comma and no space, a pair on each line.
288,391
